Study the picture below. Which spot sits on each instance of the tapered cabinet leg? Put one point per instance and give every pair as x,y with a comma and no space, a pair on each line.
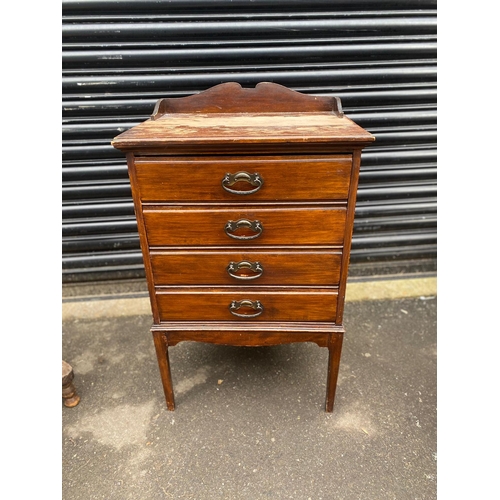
161,346
334,352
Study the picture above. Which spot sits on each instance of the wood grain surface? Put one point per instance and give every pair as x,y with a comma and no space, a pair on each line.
283,178
178,226
213,304
279,267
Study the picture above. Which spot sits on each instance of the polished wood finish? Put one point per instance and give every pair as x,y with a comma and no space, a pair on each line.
204,226
356,155
245,203
334,350
298,267
285,178
229,98
161,346
288,304
248,335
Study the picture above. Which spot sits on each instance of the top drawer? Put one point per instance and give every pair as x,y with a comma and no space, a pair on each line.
265,178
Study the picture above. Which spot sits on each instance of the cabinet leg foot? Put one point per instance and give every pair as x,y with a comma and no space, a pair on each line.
161,346
334,351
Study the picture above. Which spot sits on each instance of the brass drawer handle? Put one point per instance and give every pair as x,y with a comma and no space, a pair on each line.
234,267
253,304
252,179
254,225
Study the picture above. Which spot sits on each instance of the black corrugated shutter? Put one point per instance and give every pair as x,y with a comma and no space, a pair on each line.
120,56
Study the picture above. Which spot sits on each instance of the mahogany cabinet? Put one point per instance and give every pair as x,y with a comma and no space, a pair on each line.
245,199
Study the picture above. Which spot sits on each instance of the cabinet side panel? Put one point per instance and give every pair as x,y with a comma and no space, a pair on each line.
142,234
351,206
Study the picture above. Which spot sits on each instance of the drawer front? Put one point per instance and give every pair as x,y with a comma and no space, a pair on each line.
256,179
247,304
250,225
246,268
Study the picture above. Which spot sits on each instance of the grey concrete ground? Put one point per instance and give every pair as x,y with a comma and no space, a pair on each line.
250,422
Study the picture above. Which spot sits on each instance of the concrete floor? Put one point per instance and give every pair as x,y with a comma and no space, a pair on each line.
250,422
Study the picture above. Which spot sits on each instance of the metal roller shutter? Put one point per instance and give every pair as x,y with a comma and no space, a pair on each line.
120,56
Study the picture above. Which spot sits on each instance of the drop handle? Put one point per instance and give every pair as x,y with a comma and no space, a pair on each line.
233,269
253,225
255,305
252,179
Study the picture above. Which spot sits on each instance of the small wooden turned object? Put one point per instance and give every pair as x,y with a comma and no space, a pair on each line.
70,397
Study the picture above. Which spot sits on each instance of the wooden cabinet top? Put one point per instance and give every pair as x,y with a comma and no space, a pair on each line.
230,117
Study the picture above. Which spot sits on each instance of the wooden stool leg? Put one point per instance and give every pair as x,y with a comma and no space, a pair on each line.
334,351
164,365
70,397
